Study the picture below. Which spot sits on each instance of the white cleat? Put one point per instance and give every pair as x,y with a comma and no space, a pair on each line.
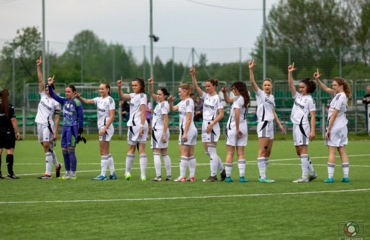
301,180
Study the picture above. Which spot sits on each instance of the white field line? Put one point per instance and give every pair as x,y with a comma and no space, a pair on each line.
181,198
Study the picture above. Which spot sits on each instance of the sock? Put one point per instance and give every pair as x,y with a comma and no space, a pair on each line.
241,166
262,167
9,163
210,161
73,160
157,164
111,164
228,167
266,163
310,167
345,167
305,162
49,159
207,152
104,165
192,165
129,161
55,160
67,162
143,165
220,165
183,165
167,163
214,159
331,167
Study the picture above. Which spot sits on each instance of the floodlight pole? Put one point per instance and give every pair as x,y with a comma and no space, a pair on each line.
43,41
151,38
264,39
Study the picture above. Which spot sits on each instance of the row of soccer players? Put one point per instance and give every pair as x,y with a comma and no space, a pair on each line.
236,136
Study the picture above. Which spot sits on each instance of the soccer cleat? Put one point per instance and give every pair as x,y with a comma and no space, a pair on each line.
345,179
12,176
128,176
229,179
301,180
1,176
180,179
57,170
113,177
242,179
223,175
143,179
190,179
168,178
329,180
265,180
45,176
100,177
312,177
157,179
67,176
211,179
74,178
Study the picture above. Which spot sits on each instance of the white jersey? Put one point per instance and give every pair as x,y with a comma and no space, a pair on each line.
339,102
159,110
210,106
47,107
135,111
104,105
186,106
243,111
303,105
265,105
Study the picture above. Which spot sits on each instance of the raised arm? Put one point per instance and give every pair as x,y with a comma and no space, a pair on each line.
226,97
84,100
120,92
251,76
150,88
52,93
172,107
316,75
290,79
195,84
39,74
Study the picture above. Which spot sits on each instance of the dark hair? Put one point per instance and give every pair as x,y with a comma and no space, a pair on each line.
0,94
72,87
165,92
214,82
188,88
52,85
311,85
243,90
4,105
142,84
346,88
107,86
192,94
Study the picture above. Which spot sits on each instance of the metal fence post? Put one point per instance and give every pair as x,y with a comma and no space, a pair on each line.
192,56
24,111
82,64
120,120
340,62
289,57
114,64
144,62
240,64
48,58
13,72
173,67
323,107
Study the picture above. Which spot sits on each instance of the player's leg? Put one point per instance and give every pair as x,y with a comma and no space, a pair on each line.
212,151
1,153
130,157
104,151
192,163
167,163
331,164
229,162
64,145
10,162
241,163
184,160
263,144
345,163
143,160
107,138
157,163
49,160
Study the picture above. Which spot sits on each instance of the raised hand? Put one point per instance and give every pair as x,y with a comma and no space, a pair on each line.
317,75
171,98
51,80
38,62
192,70
251,64
150,80
224,89
77,95
291,68
120,82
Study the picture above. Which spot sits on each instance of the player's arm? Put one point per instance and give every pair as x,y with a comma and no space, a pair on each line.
317,75
187,123
237,118
112,113
143,116
221,114
120,92
331,122
56,125
195,84
39,75
313,123
278,121
251,76
53,94
150,89
84,100
172,107
226,97
290,80
14,122
165,126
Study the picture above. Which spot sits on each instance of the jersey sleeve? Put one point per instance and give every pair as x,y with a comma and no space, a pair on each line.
11,112
204,95
96,100
132,95
43,93
57,108
312,105
55,96
143,99
189,106
112,105
259,92
220,104
339,102
164,108
237,103
297,94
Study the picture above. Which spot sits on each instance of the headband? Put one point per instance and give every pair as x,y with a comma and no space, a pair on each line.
304,83
183,89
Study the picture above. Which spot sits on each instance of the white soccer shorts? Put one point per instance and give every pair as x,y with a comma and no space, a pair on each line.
45,132
265,129
232,138
156,141
133,136
213,136
192,137
108,134
338,137
301,134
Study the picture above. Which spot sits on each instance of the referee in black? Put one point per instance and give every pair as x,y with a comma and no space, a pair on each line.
8,124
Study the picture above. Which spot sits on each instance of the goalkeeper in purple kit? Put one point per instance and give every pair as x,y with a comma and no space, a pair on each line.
72,127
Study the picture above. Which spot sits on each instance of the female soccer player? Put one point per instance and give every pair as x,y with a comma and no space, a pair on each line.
211,128
237,129
304,104
73,119
336,131
106,111
265,128
188,132
8,124
138,126
47,131
160,131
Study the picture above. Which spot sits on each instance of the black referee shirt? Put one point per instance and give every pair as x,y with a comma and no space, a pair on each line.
5,123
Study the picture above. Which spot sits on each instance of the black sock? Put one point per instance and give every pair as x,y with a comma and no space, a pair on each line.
9,163
0,164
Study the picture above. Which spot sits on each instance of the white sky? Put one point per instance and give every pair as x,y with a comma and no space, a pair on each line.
179,23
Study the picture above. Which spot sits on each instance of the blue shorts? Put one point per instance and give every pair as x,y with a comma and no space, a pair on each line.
69,136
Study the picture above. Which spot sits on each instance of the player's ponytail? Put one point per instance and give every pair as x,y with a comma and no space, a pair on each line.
187,87
243,90
4,105
346,87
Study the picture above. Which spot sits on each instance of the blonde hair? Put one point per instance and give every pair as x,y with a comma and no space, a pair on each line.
187,87
346,88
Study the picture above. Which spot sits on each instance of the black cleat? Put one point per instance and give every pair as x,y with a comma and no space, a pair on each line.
223,175
57,170
12,176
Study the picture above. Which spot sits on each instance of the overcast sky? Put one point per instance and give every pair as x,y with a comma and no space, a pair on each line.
218,32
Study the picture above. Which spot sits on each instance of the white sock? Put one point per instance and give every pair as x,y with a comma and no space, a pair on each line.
104,165
310,167
143,165
241,166
49,162
129,161
214,159
55,160
305,162
345,167
157,164
210,161
228,168
262,167
331,167
266,163
111,164
220,165
183,166
167,163
192,165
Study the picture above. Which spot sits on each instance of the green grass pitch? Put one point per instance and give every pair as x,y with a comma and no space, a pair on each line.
120,209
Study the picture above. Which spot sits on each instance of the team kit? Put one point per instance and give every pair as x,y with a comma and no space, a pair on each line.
213,111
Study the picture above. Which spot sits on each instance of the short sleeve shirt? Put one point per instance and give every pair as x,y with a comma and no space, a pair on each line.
210,106
104,105
303,105
339,102
46,109
158,112
135,111
265,106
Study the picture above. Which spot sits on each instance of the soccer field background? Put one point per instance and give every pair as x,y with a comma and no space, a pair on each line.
84,209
